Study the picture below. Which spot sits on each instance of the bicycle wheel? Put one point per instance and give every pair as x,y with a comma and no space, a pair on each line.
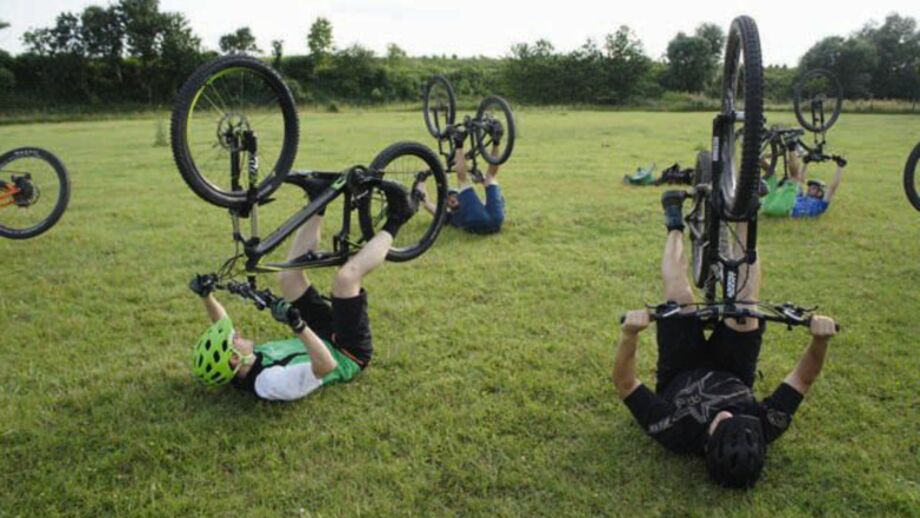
34,192
221,101
701,220
418,170
439,106
910,177
741,137
817,90
494,130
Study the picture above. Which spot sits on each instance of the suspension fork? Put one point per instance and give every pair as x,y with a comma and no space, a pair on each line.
732,267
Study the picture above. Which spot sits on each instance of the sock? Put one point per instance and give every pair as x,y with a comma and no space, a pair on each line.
392,227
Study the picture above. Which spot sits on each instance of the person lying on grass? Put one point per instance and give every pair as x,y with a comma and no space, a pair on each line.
703,401
464,208
332,342
789,198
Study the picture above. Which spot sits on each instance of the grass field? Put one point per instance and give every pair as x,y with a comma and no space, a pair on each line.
489,393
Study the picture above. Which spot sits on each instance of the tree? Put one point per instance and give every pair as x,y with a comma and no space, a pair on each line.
3,25
240,42
320,38
897,43
689,64
103,36
714,35
853,61
395,52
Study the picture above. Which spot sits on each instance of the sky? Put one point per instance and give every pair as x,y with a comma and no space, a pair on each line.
788,28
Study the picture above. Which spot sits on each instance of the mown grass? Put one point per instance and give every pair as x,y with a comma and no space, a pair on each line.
489,392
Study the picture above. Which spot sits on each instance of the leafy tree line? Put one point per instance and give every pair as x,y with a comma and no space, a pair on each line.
132,53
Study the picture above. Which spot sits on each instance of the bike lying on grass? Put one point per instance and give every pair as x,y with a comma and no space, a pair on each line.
236,113
34,192
492,130
724,196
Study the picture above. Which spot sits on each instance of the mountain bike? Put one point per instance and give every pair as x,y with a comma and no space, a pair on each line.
815,92
911,177
34,192
778,141
234,113
724,195
492,130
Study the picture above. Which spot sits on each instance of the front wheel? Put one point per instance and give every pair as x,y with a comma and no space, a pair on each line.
439,106
495,130
818,91
419,171
740,134
34,192
911,179
220,104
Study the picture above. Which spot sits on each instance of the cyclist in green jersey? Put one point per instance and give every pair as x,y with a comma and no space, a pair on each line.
332,341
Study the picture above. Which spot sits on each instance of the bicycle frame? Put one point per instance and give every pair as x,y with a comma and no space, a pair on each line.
725,269
474,129
255,248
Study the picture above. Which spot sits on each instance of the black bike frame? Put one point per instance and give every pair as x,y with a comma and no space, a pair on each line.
475,129
255,247
725,269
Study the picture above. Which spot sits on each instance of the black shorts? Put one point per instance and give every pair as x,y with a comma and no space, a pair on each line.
682,346
344,323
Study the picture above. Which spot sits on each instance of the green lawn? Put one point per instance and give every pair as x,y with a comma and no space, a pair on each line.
489,392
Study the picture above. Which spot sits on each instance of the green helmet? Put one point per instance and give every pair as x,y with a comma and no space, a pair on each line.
212,353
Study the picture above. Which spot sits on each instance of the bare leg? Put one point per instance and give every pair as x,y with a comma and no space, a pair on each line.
748,280
797,168
348,279
674,270
295,282
463,178
492,171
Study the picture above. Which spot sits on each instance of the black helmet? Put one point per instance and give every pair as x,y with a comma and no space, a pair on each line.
819,184
735,452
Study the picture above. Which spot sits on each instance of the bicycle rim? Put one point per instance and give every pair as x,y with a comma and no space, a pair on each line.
742,102
35,193
439,106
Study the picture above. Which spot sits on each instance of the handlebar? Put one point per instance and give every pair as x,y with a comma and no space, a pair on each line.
261,298
787,313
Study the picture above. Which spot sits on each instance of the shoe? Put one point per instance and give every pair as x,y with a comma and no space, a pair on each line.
400,205
673,204
312,185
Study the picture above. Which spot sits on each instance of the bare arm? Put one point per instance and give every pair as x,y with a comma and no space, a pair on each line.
811,363
797,168
215,310
425,202
835,183
320,358
624,364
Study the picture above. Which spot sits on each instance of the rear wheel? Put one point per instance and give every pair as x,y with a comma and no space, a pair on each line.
911,178
740,137
495,130
34,192
818,100
439,106
418,170
220,102
701,220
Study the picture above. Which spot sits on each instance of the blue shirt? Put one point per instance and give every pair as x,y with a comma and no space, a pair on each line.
808,206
